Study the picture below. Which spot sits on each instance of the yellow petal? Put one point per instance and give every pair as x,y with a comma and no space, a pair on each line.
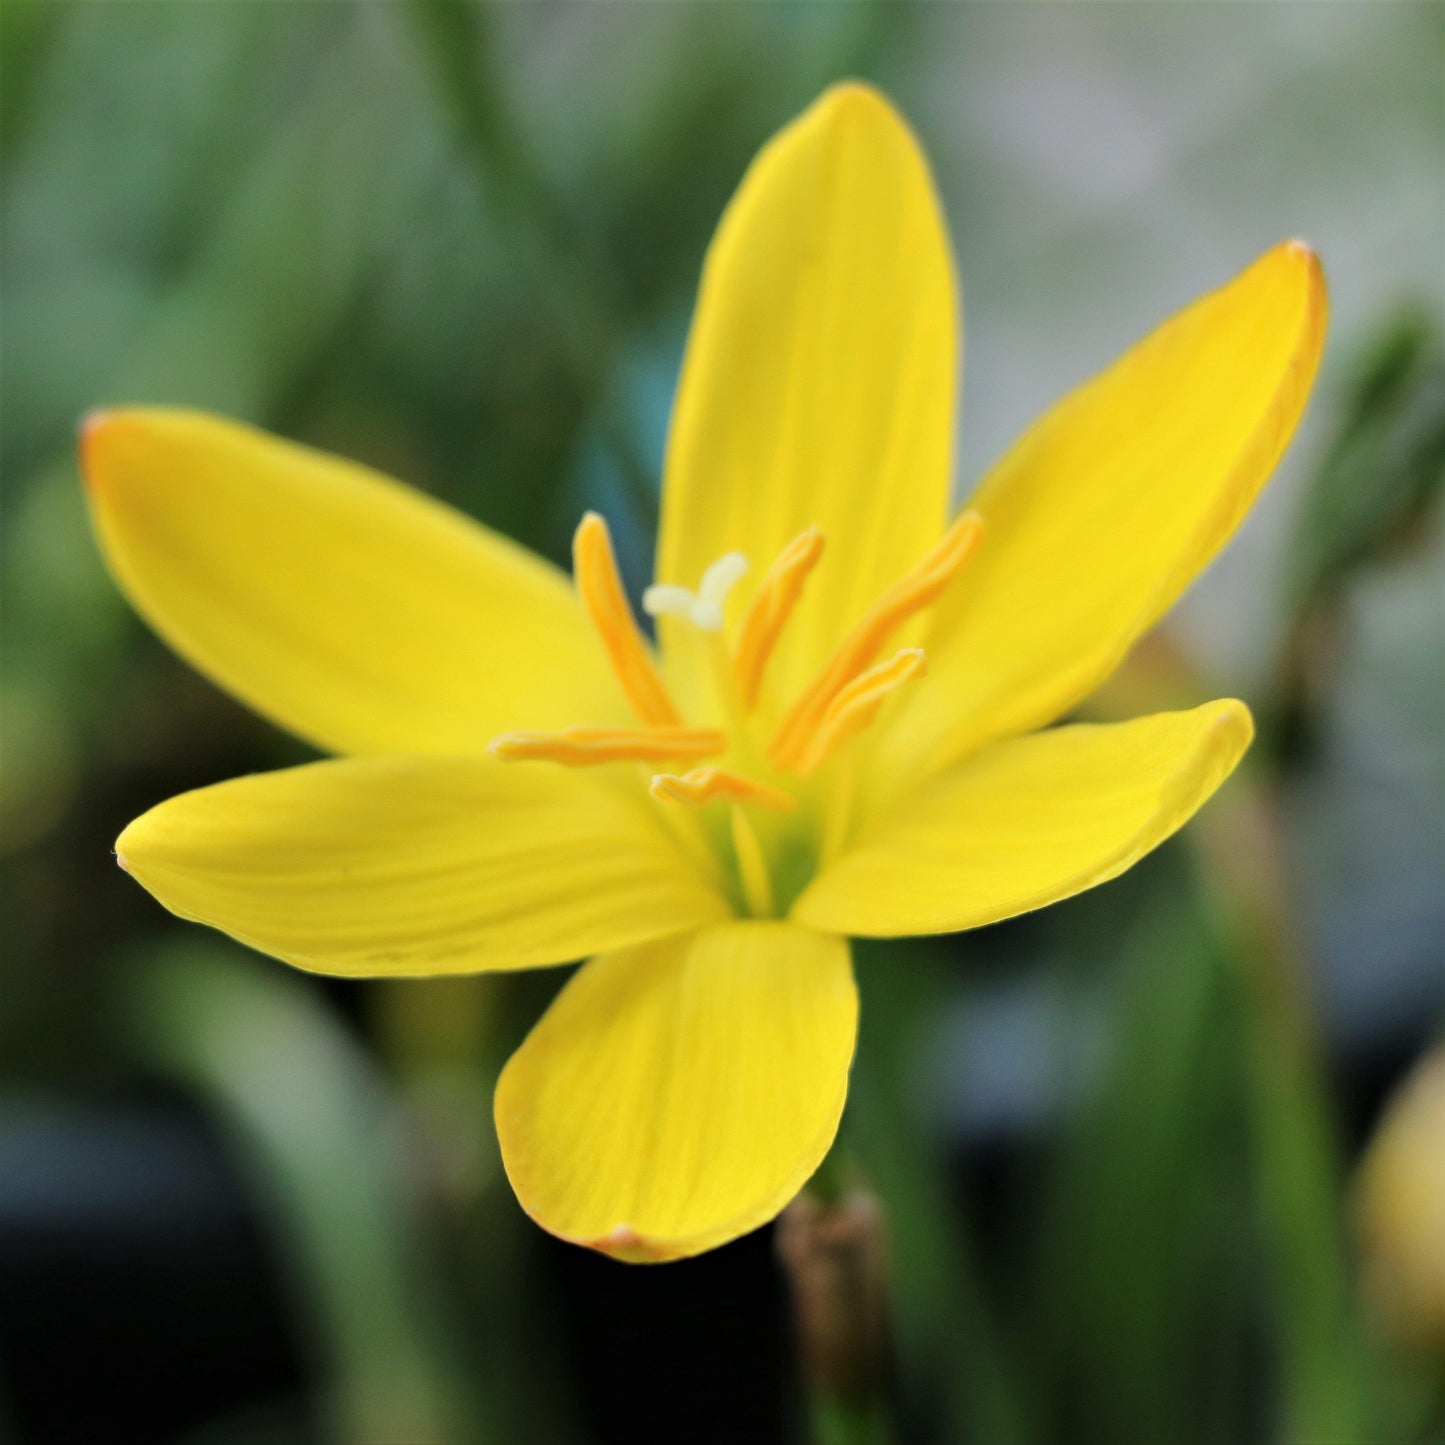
364,866
354,611
819,381
1107,508
1027,822
679,1094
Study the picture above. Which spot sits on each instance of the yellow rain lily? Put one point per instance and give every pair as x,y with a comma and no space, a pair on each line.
839,731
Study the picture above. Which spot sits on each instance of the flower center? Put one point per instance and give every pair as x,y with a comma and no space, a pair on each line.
761,769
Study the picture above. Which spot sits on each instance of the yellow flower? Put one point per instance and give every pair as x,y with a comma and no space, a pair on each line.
1400,1211
838,733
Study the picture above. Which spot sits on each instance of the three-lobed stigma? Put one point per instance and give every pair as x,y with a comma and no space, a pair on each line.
703,608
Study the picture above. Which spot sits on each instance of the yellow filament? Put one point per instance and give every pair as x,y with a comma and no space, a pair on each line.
910,594
770,609
586,747
752,866
702,785
857,704
599,585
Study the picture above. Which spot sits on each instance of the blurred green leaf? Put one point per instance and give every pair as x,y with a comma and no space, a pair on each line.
298,239
27,28
1328,1385
949,1330
1141,1284
1386,468
572,284
308,1118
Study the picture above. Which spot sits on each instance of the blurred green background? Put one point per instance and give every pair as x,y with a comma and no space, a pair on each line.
1116,1139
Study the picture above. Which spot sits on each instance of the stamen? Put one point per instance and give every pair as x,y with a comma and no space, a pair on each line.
770,609
752,866
702,785
857,705
910,594
594,565
703,608
586,747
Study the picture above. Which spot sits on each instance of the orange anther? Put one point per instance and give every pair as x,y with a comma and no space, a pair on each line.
702,785
910,594
770,609
586,747
599,585
857,704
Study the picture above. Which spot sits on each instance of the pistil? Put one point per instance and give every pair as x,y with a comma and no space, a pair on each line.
703,608
842,699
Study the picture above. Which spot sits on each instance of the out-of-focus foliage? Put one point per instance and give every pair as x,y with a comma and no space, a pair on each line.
460,243
1379,482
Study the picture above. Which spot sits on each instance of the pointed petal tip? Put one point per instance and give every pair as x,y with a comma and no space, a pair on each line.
751,1015
1235,717
98,434
853,91
131,843
1305,255
88,435
1303,261
858,101
628,1246
625,1244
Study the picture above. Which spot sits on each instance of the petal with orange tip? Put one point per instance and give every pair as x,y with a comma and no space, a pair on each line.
358,613
679,1094
1109,506
414,866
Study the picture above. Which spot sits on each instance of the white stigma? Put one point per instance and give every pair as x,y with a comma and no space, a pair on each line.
703,608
